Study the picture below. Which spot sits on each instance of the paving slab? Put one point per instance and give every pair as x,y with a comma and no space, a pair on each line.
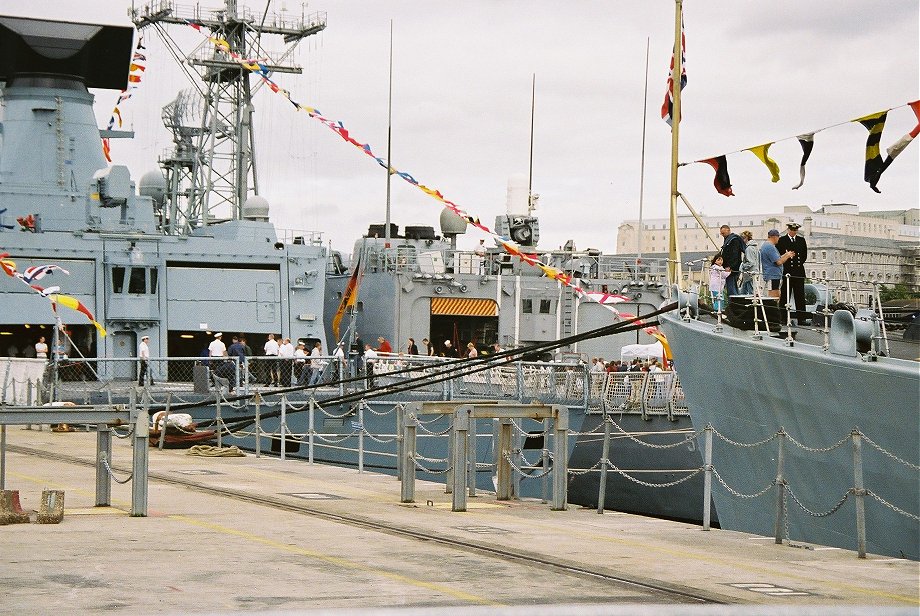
254,534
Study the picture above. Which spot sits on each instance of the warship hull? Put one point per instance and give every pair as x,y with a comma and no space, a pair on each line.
750,389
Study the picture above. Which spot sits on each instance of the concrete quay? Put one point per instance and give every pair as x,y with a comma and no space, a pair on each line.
247,534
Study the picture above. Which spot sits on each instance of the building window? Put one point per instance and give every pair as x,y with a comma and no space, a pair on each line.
527,306
545,305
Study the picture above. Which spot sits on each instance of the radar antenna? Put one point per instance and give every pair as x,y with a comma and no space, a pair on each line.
212,170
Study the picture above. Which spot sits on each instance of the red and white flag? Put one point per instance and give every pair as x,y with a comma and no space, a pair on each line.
667,108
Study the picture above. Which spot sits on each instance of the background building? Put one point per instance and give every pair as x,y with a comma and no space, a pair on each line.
848,250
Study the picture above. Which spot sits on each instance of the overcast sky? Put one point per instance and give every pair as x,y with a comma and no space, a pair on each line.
758,72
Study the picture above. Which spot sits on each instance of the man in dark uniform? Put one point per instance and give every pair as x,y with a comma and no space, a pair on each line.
732,252
794,269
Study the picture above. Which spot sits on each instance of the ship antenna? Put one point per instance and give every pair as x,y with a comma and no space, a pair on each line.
674,269
386,232
533,101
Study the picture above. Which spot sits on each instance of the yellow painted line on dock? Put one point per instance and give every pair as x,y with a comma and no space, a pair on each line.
336,560
95,511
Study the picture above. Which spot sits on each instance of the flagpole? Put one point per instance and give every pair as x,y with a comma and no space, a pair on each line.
386,232
533,106
674,269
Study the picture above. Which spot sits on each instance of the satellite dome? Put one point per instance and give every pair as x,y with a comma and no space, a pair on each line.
153,185
256,208
451,223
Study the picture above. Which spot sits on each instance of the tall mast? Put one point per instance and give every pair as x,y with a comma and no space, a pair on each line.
386,232
674,269
213,170
642,165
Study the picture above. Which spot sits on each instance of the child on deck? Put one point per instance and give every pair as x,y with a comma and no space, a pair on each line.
717,276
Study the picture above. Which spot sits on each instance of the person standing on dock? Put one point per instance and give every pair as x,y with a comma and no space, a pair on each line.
286,359
794,271
271,359
143,353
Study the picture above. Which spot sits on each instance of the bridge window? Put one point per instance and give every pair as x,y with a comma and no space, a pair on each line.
545,306
527,306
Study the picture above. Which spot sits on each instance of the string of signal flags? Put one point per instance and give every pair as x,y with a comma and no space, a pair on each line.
875,164
258,68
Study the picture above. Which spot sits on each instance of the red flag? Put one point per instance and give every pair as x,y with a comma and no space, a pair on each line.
722,182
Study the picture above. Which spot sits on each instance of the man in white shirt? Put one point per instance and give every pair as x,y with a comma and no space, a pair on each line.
370,356
271,352
217,348
143,353
286,356
300,363
41,348
317,365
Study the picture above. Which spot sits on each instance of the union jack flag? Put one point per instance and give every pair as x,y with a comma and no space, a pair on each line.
667,108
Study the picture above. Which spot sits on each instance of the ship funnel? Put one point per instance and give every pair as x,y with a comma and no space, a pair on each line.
97,55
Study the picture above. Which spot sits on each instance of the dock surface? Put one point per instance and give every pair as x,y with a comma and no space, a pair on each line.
248,534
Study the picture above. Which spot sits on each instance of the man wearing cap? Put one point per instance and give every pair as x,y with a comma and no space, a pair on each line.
217,348
143,353
772,263
794,270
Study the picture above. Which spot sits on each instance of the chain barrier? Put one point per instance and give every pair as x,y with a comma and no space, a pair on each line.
127,434
690,437
318,436
426,459
428,432
669,484
839,443
892,506
105,463
349,412
428,470
822,514
739,494
376,439
740,444
888,453
523,471
369,408
584,471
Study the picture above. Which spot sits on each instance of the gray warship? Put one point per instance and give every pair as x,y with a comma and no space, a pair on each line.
839,406
186,253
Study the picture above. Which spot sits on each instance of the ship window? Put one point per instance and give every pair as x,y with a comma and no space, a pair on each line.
527,306
118,279
153,280
137,283
544,306
360,306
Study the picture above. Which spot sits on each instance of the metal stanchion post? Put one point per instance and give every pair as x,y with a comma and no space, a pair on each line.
257,399
407,474
140,462
459,434
860,493
471,457
311,416
780,488
283,426
707,477
400,444
361,438
3,457
605,455
560,458
103,451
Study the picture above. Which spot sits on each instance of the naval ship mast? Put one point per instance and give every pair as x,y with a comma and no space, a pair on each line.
212,170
